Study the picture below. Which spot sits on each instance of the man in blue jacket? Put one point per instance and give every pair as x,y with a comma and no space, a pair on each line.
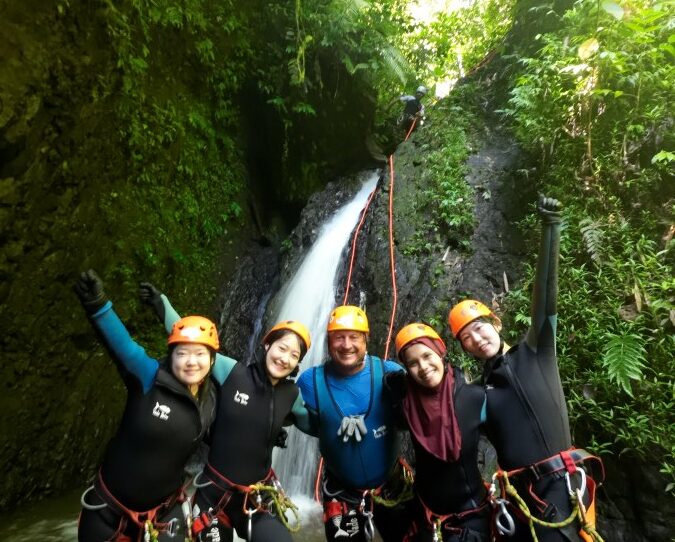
357,433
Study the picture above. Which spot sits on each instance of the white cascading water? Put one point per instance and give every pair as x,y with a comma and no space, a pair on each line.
309,297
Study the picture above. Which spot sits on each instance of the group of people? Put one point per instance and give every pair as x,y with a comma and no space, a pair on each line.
354,404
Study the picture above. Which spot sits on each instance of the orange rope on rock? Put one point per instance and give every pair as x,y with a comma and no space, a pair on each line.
391,252
356,236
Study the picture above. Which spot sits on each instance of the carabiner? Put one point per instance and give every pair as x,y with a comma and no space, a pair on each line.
583,483
195,481
250,512
368,527
172,527
88,506
510,527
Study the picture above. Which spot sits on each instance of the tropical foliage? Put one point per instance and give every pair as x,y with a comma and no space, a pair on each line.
593,102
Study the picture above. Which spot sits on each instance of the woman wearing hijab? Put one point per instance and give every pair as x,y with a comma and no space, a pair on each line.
443,414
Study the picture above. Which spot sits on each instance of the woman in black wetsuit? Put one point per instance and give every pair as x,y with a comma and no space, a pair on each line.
170,404
443,414
254,403
527,418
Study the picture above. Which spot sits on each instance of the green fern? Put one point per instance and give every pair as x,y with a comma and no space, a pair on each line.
593,237
623,359
396,63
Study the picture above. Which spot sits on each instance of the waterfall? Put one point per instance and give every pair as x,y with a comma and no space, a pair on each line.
310,297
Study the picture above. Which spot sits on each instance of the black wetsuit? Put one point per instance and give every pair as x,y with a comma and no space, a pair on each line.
412,109
251,413
249,417
527,418
161,427
452,487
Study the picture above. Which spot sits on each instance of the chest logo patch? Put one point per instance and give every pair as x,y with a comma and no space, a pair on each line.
161,411
241,398
380,431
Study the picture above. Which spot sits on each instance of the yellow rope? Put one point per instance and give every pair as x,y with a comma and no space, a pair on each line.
280,503
151,534
405,495
576,513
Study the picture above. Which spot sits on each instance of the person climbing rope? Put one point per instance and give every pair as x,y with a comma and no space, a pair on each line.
545,480
443,414
238,488
138,492
413,109
362,481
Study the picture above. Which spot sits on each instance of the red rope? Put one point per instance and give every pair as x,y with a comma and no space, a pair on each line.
391,254
317,498
356,236
391,251
412,127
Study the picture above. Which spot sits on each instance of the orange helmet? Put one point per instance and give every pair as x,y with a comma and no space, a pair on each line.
292,325
414,331
348,318
195,330
466,312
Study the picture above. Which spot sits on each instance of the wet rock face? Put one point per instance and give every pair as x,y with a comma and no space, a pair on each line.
633,505
428,285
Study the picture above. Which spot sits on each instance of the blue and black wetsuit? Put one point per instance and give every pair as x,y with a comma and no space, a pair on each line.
161,427
352,467
452,491
251,412
527,418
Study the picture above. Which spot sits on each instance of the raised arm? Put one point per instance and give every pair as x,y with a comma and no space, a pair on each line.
129,355
302,419
543,309
168,316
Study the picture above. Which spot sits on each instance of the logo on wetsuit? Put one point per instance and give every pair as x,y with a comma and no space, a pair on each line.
161,411
241,398
380,431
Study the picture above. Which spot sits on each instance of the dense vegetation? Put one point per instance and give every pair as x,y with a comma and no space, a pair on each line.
593,104
133,148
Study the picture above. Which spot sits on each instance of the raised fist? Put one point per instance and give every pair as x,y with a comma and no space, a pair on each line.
148,293
549,209
89,288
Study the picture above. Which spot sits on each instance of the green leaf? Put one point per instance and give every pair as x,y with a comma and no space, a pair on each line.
614,9
663,157
623,358
588,48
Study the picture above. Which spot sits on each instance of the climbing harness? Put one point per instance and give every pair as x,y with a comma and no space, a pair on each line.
267,496
146,521
562,465
447,522
364,500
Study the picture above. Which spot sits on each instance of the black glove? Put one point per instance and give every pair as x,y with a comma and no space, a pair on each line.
89,288
153,297
148,293
281,438
549,209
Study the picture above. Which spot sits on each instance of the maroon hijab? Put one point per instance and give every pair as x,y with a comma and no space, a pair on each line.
431,412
